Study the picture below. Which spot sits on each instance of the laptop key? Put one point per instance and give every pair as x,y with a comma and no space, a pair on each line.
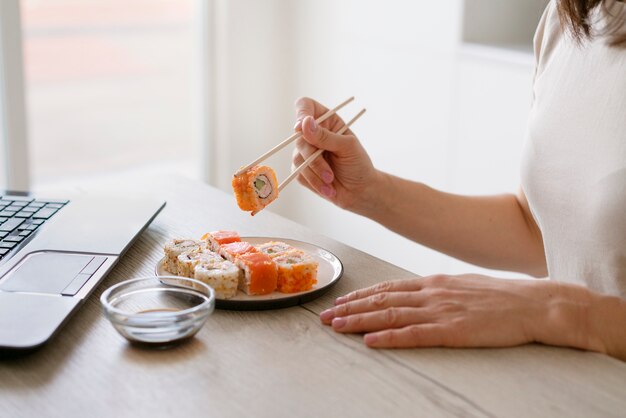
31,227
3,251
26,232
24,225
8,245
37,221
36,204
19,204
44,213
54,205
11,224
23,214
7,213
30,209
3,234
18,198
13,238
63,202
2,219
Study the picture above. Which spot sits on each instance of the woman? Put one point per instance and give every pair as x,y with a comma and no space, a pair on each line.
567,222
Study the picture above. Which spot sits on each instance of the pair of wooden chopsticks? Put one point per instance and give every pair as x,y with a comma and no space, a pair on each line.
297,135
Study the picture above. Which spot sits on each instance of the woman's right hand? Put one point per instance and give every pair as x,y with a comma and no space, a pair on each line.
344,173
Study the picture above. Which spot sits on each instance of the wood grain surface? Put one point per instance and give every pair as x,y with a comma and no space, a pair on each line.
284,362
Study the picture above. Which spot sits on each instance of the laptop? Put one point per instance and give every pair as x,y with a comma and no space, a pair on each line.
53,254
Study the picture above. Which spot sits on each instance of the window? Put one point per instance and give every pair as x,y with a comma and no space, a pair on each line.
108,87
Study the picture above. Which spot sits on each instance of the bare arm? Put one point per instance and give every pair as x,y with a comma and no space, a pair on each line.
491,231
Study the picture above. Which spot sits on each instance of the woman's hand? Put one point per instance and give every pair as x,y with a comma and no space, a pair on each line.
466,311
344,174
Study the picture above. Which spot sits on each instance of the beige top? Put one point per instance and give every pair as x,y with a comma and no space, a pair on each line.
574,164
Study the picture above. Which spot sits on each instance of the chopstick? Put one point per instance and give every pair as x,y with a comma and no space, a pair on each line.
313,156
292,138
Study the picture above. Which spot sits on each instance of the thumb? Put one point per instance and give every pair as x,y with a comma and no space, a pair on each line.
323,138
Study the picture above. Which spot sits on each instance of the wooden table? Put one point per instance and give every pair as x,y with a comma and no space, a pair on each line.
284,362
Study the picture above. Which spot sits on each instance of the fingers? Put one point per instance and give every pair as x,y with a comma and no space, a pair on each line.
381,320
319,166
321,137
420,335
306,107
376,302
406,285
311,180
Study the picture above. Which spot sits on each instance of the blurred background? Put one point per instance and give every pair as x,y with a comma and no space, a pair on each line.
114,90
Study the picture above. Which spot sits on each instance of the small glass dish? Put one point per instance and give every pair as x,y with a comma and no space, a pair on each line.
158,310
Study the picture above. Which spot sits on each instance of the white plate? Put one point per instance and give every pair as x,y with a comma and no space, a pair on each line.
329,272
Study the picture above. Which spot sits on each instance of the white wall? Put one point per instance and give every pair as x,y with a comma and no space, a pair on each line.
439,111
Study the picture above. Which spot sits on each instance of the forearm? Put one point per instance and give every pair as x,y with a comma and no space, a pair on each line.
491,231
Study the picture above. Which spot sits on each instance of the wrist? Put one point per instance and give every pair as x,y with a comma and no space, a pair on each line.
569,317
374,197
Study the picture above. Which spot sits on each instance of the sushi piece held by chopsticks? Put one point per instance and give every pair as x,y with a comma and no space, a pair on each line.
255,188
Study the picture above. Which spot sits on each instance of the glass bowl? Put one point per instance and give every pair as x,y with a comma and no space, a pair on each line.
158,310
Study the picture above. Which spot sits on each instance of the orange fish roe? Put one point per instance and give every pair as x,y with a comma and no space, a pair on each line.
297,272
256,188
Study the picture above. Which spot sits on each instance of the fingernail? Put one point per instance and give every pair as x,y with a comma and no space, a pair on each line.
339,323
340,300
326,315
327,191
370,339
327,176
297,126
313,125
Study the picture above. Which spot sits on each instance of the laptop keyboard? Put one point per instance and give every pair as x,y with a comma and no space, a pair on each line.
21,216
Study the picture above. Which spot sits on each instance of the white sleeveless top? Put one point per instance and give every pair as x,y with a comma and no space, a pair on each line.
574,163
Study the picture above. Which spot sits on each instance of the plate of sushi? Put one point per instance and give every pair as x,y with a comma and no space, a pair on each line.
253,273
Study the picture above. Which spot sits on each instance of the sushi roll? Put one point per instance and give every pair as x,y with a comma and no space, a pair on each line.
223,276
235,249
260,274
187,261
176,247
255,188
274,248
297,272
216,238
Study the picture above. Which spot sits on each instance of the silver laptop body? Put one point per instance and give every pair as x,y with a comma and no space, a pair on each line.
49,273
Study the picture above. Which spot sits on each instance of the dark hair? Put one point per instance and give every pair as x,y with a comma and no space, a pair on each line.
575,15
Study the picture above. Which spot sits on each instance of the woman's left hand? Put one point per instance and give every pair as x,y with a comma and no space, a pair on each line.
454,311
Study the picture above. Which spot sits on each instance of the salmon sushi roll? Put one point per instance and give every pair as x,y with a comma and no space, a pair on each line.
274,248
260,274
187,261
216,238
256,188
297,272
235,249
176,247
223,276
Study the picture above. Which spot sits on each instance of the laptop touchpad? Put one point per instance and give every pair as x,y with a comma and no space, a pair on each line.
46,272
